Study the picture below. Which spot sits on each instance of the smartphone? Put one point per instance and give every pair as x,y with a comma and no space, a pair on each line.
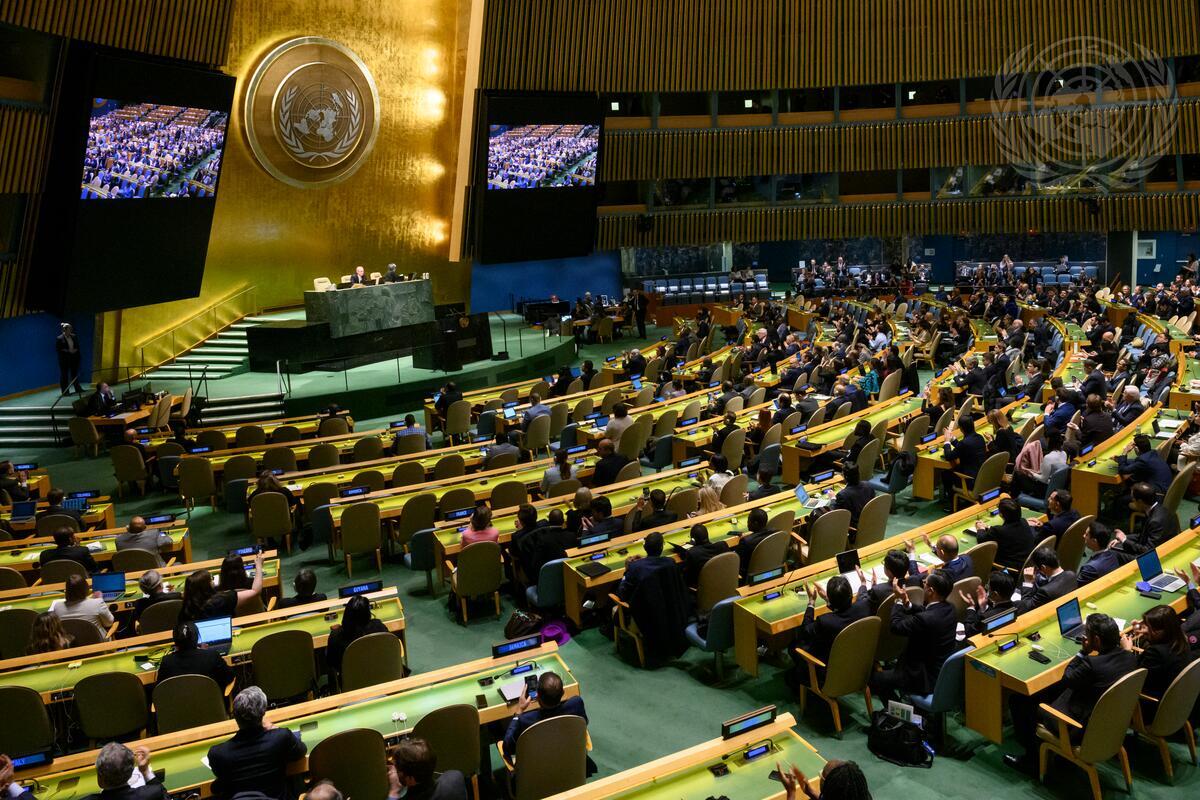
1038,657
719,770
531,684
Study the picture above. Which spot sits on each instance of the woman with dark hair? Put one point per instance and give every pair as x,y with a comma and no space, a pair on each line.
561,383
188,658
202,600
357,622
268,482
47,635
1165,650
840,780
561,471
79,602
480,528
763,424
233,573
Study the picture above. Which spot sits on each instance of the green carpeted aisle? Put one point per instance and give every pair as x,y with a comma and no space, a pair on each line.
640,715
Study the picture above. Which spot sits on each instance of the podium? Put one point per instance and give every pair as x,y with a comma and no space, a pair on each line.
456,339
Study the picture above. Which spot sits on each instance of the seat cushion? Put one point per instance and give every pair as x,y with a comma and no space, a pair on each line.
531,595
921,701
1029,501
692,632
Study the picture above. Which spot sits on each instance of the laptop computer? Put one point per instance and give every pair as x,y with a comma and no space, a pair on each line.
1152,573
510,412
216,634
1070,620
75,504
24,510
810,502
110,585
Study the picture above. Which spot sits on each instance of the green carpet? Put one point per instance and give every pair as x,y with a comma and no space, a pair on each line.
637,715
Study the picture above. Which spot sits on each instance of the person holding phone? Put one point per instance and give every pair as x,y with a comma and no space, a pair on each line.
550,704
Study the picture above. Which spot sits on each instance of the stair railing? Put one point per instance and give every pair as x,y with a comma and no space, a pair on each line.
198,328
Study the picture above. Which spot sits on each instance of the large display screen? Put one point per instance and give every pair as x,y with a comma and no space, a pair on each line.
150,133
537,159
139,150
541,156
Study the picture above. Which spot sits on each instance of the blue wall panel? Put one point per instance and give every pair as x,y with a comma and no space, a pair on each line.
1171,252
498,287
29,360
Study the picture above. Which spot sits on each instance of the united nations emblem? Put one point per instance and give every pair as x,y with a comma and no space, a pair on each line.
311,112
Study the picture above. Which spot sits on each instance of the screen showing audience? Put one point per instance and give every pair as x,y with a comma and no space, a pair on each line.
542,156
140,150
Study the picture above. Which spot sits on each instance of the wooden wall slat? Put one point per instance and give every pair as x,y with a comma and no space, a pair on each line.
715,45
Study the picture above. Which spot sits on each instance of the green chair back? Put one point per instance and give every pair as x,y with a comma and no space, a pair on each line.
214,439
11,579
449,466
411,443
372,659
458,418
159,617
501,460
240,467
1104,733
408,473
564,488
187,701
83,432
367,448
684,502
250,436
283,664
34,732
279,457
558,418
333,426
456,498
196,478
734,491
360,528
1172,711
135,559
479,569
537,436
60,569
629,472
734,448
872,520
270,516
47,525
288,433
990,474
83,632
452,733
324,455
983,557
354,760
851,659
1070,546
128,464
967,586
111,705
317,495
769,553
1178,487
15,626
718,580
828,535
419,512
866,460
371,478
913,434
551,757
509,494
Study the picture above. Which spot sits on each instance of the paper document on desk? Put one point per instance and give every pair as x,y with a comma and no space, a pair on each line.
1170,424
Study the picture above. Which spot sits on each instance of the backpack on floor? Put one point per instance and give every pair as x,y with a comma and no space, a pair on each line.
898,741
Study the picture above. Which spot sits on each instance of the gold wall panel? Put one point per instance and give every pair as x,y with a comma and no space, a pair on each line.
1155,212
395,207
705,45
715,153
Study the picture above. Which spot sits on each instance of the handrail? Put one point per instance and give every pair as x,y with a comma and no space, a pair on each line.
171,343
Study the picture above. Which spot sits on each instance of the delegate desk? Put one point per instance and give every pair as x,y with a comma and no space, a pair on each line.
931,455
623,496
756,618
687,775
100,512
371,308
41,596
990,673
1099,467
984,335
1117,312
391,502
688,440
181,755
1165,330
1187,383
307,424
799,318
23,554
129,419
344,442
831,435
727,525
54,675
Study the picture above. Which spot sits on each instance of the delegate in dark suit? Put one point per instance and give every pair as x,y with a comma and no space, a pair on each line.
1047,591
640,570
1159,525
974,381
151,790
1148,467
1089,676
1014,542
522,722
931,639
1099,565
255,761
817,633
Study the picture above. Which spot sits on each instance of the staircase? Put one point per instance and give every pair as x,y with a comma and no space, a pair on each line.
244,408
224,353
33,426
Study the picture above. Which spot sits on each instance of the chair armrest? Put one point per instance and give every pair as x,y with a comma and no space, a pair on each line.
809,657
38,582
798,538
617,601
171,562
508,764
1062,718
271,603
1142,696
449,566
588,739
112,629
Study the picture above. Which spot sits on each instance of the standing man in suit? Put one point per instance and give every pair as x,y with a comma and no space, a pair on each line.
931,631
1013,537
640,304
1046,581
117,778
1099,664
966,456
1159,523
67,348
